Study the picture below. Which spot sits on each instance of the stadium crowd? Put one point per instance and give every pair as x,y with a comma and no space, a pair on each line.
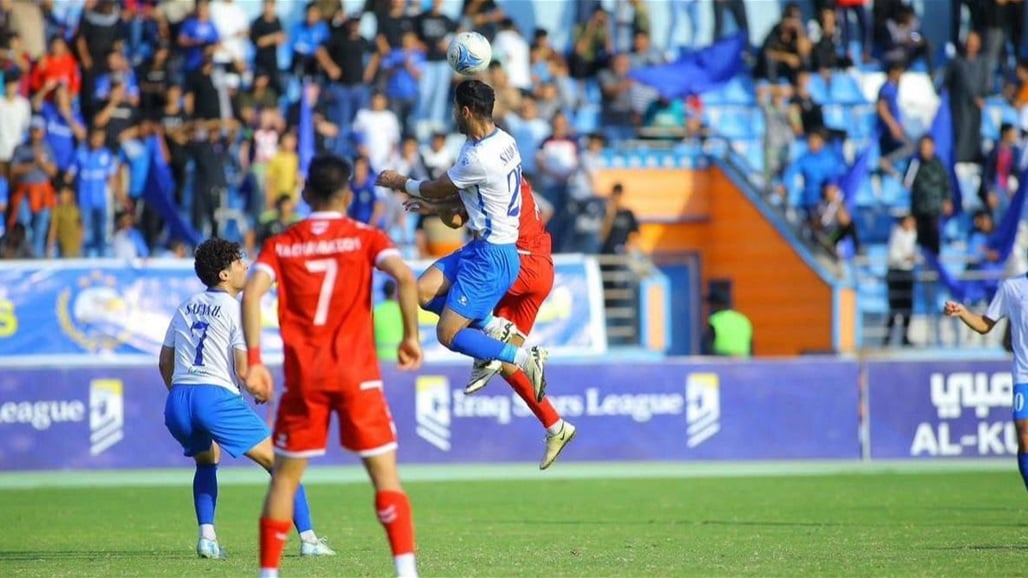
91,100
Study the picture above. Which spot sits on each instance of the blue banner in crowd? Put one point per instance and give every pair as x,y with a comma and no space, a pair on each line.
698,71
96,418
87,308
940,409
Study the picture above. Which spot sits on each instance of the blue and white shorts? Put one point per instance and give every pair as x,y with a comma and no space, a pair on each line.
480,274
1020,402
196,415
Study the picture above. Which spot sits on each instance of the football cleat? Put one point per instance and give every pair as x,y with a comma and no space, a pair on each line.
555,444
210,549
482,371
534,370
319,548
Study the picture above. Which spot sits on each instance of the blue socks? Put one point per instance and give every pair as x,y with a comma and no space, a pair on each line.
1022,466
302,511
205,492
478,345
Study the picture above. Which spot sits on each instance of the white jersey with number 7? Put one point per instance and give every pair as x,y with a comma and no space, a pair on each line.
205,330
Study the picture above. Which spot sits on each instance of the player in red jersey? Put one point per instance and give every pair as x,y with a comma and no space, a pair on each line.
323,267
515,314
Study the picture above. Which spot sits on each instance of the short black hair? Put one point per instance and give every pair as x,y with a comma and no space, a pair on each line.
327,176
478,96
214,256
389,289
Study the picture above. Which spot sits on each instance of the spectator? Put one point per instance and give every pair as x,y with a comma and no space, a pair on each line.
211,159
177,249
99,30
786,49
57,68
557,160
118,116
202,99
265,145
511,49
903,256
233,30
410,162
832,222
128,242
266,35
993,26
817,166
684,9
930,194
528,131
262,95
366,205
620,228
906,43
26,20
277,220
592,46
198,37
729,333
283,171
893,141
176,130
155,80
118,72
15,114
388,323
66,235
778,131
342,57
95,172
631,19
997,185
738,10
439,158
391,26
64,127
508,97
619,117
983,259
967,81
308,35
643,54
434,30
829,52
1019,97
482,16
32,169
404,67
858,8
15,244
379,130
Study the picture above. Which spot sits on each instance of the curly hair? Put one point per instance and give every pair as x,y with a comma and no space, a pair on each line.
214,256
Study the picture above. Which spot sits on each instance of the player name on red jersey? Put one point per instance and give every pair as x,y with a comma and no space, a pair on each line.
325,247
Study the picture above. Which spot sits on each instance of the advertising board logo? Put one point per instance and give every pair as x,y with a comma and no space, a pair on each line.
432,410
106,414
972,411
93,313
702,407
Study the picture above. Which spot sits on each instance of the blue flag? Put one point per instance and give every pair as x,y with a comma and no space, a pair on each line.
696,72
159,193
957,288
305,141
942,132
854,178
1002,239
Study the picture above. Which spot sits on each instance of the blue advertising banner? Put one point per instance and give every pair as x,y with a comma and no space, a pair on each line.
940,409
112,309
98,418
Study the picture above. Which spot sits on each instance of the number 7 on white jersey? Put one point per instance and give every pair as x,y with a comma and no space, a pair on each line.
330,267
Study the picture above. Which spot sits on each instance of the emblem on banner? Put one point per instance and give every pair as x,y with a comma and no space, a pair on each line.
432,410
106,414
702,407
93,313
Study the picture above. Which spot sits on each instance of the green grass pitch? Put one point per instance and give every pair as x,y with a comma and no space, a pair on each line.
879,522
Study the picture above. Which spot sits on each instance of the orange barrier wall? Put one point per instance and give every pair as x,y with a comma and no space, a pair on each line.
790,306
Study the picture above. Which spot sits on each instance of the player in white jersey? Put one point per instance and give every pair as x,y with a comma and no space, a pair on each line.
464,288
1010,301
201,362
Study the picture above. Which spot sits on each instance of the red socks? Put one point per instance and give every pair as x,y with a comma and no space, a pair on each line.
273,541
523,387
394,512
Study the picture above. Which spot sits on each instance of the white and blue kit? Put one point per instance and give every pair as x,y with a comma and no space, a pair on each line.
1011,301
488,174
205,403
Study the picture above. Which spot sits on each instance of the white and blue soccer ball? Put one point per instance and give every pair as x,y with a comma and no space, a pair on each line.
469,53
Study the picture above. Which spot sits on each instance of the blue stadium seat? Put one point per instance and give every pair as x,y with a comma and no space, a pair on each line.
818,89
738,91
587,119
893,194
735,123
844,89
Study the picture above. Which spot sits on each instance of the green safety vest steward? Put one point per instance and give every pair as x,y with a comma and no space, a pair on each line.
733,333
388,329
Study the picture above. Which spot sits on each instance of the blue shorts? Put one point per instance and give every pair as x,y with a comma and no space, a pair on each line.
199,414
480,274
1020,401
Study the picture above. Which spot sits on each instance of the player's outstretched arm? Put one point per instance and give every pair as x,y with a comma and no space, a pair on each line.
440,188
258,378
450,211
408,355
166,365
976,322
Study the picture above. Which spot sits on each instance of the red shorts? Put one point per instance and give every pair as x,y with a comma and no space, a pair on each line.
365,424
522,302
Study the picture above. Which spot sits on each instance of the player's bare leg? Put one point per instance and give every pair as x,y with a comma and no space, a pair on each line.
454,334
278,511
310,545
394,511
432,289
559,432
205,500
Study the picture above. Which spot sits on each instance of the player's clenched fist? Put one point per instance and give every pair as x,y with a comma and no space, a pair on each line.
953,309
259,384
391,180
408,354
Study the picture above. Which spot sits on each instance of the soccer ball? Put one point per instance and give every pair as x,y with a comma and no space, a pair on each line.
469,53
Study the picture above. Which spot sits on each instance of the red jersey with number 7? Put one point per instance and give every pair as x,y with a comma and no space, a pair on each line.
323,266
532,235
